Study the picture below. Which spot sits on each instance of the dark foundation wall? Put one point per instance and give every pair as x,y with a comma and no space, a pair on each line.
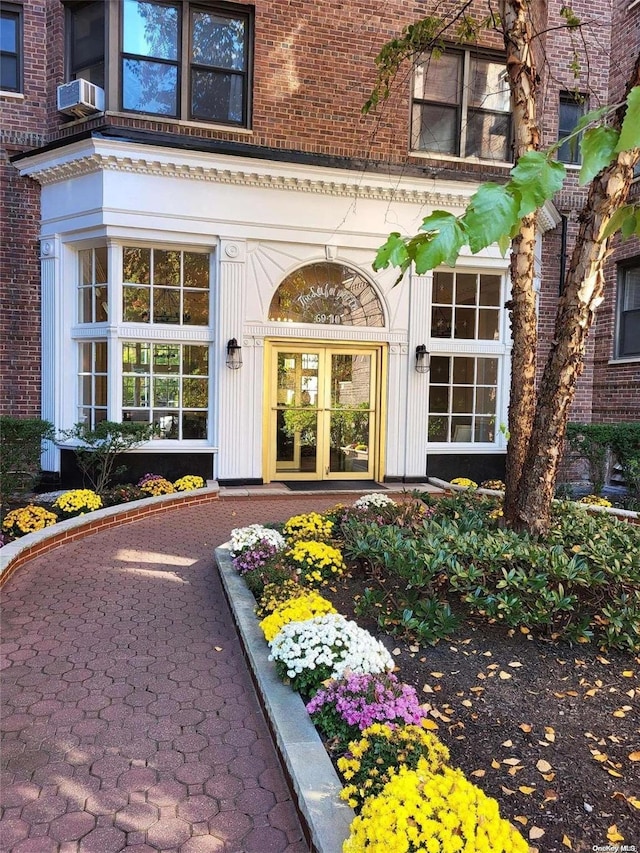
169,465
475,466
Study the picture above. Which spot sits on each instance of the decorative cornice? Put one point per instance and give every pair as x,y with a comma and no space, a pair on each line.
356,188
360,334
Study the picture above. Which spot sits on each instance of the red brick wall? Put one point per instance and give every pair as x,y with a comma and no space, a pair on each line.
617,385
23,123
313,70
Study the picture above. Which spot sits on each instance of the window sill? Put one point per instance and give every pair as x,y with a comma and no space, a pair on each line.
14,96
229,128
627,359
450,158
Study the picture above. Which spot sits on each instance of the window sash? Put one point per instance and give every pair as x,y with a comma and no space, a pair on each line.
463,399
571,109
629,314
87,42
184,78
167,385
11,49
453,115
165,287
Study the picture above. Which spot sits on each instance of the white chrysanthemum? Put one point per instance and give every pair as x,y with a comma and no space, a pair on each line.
332,640
243,538
374,499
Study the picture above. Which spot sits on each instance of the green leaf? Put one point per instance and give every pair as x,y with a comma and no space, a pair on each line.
393,252
598,147
492,213
537,179
630,131
618,219
441,244
504,241
630,225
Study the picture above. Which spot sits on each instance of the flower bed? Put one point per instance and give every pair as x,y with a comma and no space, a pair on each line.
76,502
346,675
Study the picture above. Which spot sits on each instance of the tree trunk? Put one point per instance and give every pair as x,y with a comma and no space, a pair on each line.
523,83
582,294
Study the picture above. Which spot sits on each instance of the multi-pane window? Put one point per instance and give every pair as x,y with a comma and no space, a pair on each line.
186,60
92,383
87,42
166,385
572,108
628,339
92,287
461,106
466,306
463,399
165,286
10,48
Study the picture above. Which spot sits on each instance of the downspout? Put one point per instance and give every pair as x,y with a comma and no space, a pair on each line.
563,251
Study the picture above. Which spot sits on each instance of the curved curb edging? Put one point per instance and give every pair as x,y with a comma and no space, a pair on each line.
312,776
17,553
626,514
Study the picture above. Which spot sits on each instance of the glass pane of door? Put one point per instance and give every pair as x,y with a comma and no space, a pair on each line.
350,414
296,412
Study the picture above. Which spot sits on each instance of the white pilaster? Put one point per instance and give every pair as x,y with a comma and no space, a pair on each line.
417,384
235,387
51,321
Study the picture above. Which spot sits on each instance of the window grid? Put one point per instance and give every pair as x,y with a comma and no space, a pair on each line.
466,306
92,383
92,285
166,385
463,395
165,287
11,48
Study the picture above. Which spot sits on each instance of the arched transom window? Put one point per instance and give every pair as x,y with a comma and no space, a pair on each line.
326,292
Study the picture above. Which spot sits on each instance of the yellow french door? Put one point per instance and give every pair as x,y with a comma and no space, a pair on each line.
323,411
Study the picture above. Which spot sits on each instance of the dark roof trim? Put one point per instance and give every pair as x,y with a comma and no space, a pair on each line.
258,152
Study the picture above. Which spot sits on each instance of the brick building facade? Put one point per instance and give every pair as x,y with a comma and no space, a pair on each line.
230,181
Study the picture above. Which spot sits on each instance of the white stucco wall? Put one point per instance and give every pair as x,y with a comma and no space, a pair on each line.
260,220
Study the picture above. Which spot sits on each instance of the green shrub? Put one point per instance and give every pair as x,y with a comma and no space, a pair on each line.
97,449
625,443
408,569
594,442
581,582
20,451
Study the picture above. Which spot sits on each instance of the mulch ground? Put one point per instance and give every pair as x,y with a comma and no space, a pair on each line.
552,732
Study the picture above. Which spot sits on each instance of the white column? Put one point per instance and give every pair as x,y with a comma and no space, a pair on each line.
235,387
51,330
396,411
415,443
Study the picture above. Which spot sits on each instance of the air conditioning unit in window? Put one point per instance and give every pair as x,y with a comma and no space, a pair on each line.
80,98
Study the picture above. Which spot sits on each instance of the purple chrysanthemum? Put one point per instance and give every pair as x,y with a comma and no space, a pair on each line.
255,558
360,700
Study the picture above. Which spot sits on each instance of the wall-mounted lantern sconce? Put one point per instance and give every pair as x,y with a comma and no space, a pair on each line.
234,354
422,359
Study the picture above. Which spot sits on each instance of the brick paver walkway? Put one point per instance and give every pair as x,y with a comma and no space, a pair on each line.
129,716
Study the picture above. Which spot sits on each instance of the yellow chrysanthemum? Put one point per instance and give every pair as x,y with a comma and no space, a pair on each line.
443,812
315,562
311,525
28,519
296,609
188,482
78,501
